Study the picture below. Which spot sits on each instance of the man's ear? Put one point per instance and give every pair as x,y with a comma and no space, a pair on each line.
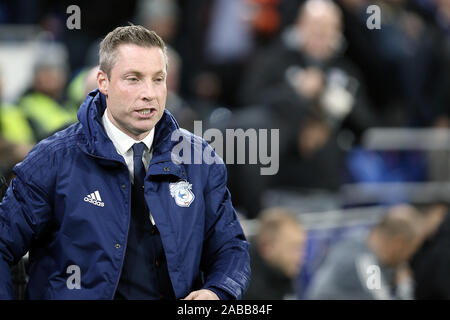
102,82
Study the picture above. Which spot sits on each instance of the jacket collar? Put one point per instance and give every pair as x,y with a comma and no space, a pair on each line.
97,143
121,140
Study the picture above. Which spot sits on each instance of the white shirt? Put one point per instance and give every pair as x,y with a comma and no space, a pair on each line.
124,146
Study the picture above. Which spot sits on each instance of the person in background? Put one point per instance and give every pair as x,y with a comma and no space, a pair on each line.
42,104
178,106
431,263
162,16
374,267
16,137
81,84
276,255
306,71
304,85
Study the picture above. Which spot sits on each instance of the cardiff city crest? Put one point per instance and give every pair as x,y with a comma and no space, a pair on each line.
181,192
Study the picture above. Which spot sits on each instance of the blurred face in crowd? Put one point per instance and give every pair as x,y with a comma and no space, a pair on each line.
398,235
320,27
136,89
50,80
285,252
398,250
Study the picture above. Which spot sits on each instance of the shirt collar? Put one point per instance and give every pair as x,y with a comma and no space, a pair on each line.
122,141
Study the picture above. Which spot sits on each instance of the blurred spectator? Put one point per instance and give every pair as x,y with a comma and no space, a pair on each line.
184,114
305,87
90,81
228,42
373,267
431,263
276,255
42,103
13,124
83,83
410,49
160,16
360,49
401,60
229,35
15,136
75,89
305,70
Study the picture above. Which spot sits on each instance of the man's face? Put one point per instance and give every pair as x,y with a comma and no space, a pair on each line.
287,250
136,90
50,80
321,32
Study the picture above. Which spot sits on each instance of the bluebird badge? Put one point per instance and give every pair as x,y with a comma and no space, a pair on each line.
181,192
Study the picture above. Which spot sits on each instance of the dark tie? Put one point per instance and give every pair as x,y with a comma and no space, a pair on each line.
140,206
138,165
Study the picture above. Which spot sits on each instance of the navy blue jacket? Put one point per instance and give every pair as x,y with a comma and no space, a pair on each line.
69,206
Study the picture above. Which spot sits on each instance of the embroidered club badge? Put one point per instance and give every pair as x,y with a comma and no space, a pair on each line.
181,191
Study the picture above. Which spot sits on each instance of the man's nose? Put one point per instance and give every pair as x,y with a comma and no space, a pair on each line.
148,91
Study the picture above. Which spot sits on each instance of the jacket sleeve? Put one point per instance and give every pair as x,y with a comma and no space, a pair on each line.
225,259
23,214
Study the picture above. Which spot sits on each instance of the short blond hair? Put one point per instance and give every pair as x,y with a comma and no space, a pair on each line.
133,34
401,220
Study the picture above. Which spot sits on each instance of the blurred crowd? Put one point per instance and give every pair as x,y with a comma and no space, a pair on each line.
312,69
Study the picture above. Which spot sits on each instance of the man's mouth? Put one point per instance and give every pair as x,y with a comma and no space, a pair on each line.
146,112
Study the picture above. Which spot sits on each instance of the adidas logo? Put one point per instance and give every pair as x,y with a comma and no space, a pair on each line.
95,199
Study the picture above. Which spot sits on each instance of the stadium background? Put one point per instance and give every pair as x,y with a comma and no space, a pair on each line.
395,151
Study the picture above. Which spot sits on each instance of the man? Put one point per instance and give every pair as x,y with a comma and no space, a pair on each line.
374,268
97,225
306,71
276,255
15,135
304,85
42,103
